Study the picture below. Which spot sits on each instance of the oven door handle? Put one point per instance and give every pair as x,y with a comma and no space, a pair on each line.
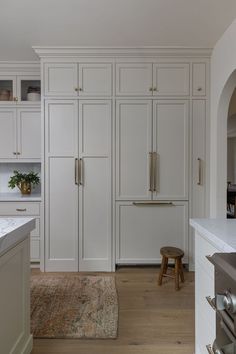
228,332
209,349
211,302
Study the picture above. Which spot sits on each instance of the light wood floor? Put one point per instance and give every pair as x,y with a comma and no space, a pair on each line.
152,319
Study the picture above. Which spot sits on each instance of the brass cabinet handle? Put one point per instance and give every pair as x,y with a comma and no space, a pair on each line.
199,171
80,89
15,99
81,172
76,89
76,171
154,203
150,89
211,302
199,89
150,172
155,89
19,209
14,153
154,155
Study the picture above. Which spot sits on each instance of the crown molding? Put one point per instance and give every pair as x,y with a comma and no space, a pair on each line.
26,66
44,52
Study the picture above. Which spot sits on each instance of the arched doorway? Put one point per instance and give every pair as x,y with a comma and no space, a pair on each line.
221,148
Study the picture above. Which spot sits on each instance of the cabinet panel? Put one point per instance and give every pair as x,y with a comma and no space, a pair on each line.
95,206
171,79
95,79
34,250
141,230
133,145
133,79
61,128
62,216
199,79
198,158
60,79
170,141
29,133
8,134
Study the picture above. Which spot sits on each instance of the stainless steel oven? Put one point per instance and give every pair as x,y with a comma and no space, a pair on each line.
224,303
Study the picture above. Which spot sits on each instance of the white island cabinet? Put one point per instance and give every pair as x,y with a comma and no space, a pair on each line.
211,236
15,337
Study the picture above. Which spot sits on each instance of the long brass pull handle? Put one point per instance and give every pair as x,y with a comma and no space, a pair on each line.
154,203
18,209
81,172
209,349
155,172
211,302
199,171
76,171
150,172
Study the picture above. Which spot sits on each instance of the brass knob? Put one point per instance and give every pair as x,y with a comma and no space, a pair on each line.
155,89
199,89
80,89
18,153
14,153
76,89
151,89
15,99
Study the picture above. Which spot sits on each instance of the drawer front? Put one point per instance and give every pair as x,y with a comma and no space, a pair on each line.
19,208
36,231
202,249
35,250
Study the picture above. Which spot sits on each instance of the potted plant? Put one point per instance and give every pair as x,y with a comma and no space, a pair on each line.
24,181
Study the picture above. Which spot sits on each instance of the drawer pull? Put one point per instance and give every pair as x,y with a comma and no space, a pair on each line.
19,209
211,302
154,203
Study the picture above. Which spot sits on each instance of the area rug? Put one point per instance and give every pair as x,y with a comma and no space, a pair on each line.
73,306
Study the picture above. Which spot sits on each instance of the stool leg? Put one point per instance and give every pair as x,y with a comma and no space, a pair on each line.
163,267
176,274
181,270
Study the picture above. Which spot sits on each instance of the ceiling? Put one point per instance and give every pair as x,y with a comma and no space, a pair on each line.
188,23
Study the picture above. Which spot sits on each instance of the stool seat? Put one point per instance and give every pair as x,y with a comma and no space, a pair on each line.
176,254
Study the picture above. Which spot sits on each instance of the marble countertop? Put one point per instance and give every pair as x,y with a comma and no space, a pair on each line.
219,232
17,197
13,231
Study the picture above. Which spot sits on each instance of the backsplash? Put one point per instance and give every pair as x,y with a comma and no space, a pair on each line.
6,171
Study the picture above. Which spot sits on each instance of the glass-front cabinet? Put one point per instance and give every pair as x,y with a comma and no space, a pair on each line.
20,88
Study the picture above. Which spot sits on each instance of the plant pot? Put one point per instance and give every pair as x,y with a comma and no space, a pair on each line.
25,187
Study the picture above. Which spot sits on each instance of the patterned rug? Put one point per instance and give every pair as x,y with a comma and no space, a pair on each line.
73,306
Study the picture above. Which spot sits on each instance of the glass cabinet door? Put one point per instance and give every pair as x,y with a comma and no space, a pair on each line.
7,89
28,89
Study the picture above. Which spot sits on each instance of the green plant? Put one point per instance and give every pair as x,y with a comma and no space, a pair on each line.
31,178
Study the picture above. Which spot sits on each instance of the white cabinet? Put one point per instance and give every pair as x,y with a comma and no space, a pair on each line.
95,228
152,149
73,79
20,133
61,199
148,79
142,228
199,79
171,79
78,187
133,79
24,209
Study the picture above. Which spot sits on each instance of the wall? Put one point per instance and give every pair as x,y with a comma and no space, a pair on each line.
223,83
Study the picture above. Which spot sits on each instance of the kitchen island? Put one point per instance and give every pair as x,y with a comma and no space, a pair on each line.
15,337
211,236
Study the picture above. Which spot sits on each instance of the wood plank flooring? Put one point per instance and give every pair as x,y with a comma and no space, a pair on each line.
152,319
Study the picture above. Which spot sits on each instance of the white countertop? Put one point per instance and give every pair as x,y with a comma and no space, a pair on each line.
220,232
17,197
13,231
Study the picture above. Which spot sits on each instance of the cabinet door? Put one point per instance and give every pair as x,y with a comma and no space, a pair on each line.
199,79
170,142
28,84
95,206
7,89
133,79
95,79
142,229
29,133
61,79
61,197
171,79
133,147
8,134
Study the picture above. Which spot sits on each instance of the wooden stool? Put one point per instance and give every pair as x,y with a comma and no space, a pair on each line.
176,254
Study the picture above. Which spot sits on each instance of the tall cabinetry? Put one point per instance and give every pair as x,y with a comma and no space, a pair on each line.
20,141
125,132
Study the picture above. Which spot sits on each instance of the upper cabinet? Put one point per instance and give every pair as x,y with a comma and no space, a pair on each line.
20,89
199,79
147,79
83,79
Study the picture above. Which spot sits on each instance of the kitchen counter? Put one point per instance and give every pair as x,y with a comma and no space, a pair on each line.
13,231
15,334
221,233
17,197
